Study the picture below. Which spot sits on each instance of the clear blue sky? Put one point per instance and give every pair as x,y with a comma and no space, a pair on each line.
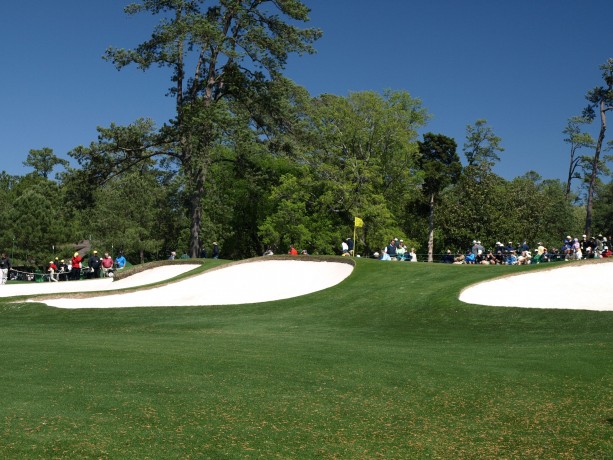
525,66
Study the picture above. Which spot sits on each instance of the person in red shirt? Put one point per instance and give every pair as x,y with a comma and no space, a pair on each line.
107,264
75,273
292,250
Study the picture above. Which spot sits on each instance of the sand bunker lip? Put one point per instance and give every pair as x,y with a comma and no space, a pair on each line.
582,286
240,283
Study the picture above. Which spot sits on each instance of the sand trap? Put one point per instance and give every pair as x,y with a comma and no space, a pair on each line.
241,283
150,276
583,286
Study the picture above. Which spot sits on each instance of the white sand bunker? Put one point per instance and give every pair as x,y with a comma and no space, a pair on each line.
241,283
584,286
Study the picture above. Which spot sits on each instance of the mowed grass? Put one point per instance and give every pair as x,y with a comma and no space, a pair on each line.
388,364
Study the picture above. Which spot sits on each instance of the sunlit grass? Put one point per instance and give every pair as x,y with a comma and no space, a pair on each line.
388,364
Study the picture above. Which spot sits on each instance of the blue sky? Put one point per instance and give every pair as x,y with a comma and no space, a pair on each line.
524,66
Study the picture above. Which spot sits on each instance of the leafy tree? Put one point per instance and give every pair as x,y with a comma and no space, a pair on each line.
128,212
441,167
7,193
230,51
577,140
242,188
473,208
535,211
43,161
490,208
481,145
292,222
36,218
601,99
603,209
557,216
357,157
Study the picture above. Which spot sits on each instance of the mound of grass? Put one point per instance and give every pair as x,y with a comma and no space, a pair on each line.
388,364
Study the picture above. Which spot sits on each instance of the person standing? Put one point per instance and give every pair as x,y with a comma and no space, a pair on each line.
63,270
52,269
5,267
75,272
390,250
94,265
107,264
215,251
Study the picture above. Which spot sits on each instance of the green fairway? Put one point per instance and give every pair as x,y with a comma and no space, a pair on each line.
388,364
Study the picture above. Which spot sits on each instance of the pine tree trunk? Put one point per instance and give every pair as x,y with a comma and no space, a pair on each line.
570,173
195,204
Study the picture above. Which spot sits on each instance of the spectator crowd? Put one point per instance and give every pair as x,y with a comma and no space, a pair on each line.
67,269
520,253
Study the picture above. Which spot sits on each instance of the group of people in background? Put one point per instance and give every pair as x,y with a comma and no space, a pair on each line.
82,267
292,251
214,252
500,254
509,254
74,269
523,254
69,269
396,250
586,248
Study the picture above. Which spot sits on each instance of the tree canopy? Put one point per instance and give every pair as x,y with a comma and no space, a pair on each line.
482,145
226,59
250,160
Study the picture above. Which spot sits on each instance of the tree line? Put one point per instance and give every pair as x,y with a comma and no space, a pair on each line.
250,160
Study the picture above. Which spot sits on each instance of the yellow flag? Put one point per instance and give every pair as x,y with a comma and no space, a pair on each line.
358,222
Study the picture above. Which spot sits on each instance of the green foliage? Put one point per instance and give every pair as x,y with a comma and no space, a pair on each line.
536,212
577,140
482,145
599,99
35,219
472,209
359,159
219,53
439,162
127,215
43,161
603,211
441,167
7,185
484,206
